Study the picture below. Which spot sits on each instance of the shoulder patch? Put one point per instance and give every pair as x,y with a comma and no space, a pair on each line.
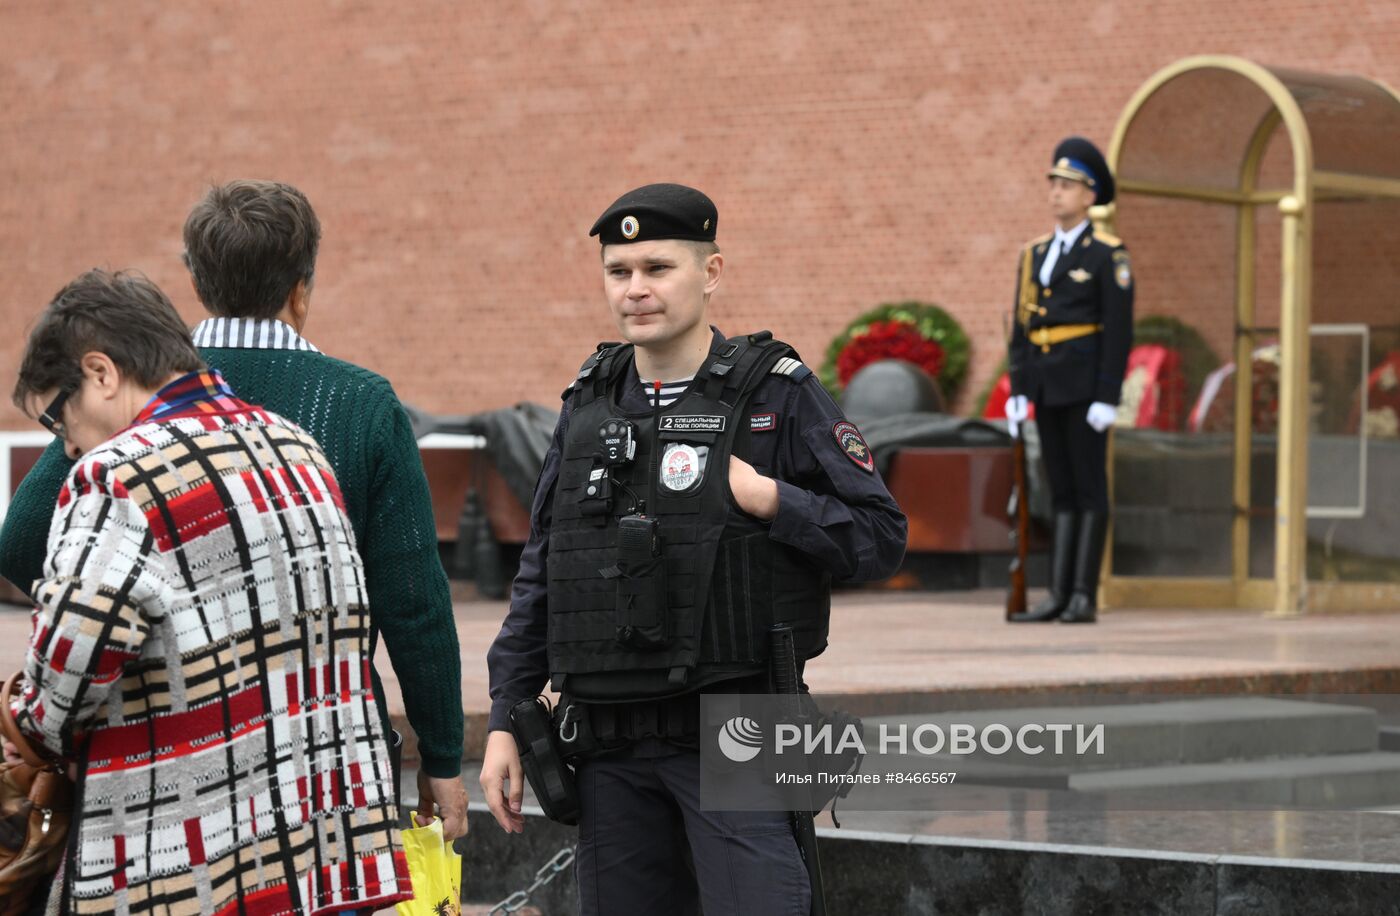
1122,269
853,445
1111,240
794,369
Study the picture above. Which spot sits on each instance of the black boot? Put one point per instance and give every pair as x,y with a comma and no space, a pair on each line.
1061,573
1083,604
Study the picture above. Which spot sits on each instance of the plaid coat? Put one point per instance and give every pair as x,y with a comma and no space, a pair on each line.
200,647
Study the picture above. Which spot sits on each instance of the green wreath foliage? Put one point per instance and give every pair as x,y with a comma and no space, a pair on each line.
933,323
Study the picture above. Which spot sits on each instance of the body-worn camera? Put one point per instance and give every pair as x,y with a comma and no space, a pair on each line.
617,446
617,441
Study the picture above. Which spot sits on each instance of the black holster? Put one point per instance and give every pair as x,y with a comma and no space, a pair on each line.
551,778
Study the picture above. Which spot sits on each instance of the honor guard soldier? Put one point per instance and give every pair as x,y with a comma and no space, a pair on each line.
1069,348
699,490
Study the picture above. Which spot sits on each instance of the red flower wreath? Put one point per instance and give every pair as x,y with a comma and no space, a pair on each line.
889,340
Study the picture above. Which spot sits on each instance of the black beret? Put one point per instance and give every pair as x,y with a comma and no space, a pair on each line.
1079,160
658,211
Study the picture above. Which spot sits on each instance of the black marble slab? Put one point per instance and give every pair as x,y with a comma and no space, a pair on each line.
891,873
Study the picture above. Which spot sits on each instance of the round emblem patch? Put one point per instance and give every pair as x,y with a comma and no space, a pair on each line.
680,467
630,227
1122,273
853,445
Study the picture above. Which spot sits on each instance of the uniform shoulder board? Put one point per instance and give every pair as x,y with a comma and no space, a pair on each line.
1039,240
1112,241
793,369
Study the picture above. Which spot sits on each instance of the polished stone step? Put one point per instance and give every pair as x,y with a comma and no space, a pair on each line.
1150,734
898,873
1334,780
1390,738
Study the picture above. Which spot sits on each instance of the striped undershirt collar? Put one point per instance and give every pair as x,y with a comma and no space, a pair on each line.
670,391
249,334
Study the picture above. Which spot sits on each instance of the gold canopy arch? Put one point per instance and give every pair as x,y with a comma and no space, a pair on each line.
1268,144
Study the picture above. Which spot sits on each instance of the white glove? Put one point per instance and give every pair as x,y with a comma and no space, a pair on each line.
1101,416
1017,409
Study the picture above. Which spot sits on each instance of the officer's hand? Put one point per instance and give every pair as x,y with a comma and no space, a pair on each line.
1017,409
1101,416
502,762
450,796
757,495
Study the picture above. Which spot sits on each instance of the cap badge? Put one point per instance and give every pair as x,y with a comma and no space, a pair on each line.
630,228
706,227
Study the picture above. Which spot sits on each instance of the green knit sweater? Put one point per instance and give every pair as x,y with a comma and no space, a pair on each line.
359,422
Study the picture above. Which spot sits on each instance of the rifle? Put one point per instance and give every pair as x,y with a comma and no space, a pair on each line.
783,659
1019,510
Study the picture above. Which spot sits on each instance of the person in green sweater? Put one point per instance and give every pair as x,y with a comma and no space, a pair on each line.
251,248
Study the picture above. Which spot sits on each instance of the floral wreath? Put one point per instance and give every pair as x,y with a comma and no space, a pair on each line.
915,332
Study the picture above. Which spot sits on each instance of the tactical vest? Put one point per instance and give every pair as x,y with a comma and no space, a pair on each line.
726,582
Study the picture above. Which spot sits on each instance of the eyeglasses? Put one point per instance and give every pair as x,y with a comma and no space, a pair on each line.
52,417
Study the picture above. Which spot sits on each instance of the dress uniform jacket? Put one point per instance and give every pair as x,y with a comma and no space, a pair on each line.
1091,286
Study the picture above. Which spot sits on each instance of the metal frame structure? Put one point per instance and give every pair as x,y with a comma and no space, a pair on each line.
1288,592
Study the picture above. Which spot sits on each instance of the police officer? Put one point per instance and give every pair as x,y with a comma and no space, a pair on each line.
1069,348
698,490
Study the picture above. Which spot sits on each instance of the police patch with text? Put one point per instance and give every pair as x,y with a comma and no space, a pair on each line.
850,441
693,423
763,422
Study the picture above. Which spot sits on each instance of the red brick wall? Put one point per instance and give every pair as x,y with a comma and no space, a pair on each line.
457,154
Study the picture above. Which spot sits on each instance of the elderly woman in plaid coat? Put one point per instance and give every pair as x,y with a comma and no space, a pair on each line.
200,644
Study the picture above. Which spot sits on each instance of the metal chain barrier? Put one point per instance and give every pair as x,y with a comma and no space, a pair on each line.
547,873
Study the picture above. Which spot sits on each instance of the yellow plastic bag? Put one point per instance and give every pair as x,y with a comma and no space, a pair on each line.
436,870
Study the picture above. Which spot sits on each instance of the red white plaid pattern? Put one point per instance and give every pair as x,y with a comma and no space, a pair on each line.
201,646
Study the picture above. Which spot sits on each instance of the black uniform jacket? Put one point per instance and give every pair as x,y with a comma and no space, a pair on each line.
832,505
1091,285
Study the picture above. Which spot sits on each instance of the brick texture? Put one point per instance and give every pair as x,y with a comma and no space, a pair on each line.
858,151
